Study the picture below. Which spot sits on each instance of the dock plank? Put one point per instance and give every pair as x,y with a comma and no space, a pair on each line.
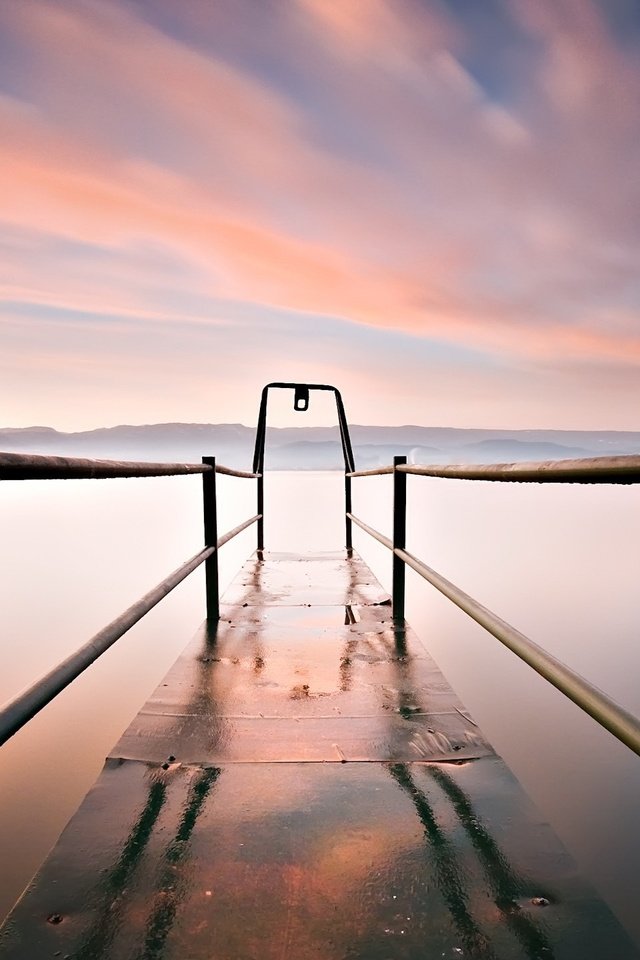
305,784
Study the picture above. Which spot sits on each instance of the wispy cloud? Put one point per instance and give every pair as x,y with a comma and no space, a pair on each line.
383,162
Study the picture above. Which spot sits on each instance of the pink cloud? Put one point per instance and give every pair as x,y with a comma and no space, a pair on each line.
391,31
483,224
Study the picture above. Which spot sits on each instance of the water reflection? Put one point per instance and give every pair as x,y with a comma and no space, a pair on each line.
112,903
267,830
120,886
175,879
506,885
450,877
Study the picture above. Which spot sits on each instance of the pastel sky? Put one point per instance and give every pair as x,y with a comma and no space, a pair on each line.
433,205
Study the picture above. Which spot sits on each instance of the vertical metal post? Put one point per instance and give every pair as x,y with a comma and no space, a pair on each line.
347,509
258,463
260,510
210,514
347,449
399,537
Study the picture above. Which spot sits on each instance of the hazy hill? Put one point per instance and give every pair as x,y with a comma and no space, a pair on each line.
318,448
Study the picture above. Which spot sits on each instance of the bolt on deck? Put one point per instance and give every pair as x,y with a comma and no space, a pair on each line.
304,783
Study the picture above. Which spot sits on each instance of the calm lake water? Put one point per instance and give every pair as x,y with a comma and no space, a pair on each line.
559,563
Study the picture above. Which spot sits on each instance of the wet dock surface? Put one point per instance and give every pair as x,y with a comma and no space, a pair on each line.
305,784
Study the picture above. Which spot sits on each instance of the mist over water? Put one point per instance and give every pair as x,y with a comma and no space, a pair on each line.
558,562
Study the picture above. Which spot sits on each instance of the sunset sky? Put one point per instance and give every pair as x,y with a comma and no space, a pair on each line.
433,205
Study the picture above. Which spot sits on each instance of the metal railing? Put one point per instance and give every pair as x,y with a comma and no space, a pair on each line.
589,698
15,466
301,405
624,469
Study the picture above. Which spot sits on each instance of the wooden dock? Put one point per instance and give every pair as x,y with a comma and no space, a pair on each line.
305,784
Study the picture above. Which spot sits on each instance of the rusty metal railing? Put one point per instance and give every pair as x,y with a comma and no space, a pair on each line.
584,694
14,466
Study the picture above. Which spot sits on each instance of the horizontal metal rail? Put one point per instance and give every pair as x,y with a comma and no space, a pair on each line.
593,701
236,530
376,472
380,537
623,469
27,704
588,470
243,474
597,704
20,466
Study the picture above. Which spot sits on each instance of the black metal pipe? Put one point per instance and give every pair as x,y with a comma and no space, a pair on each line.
258,452
301,402
260,507
210,517
261,431
347,450
258,463
347,510
399,537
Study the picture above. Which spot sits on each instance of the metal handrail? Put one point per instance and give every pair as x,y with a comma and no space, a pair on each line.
301,404
236,530
380,537
619,469
21,466
27,704
18,711
242,474
609,714
17,466
375,472
622,469
593,701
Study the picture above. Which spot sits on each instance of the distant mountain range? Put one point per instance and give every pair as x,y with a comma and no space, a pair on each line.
318,448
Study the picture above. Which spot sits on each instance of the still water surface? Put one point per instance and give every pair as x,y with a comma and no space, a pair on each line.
559,563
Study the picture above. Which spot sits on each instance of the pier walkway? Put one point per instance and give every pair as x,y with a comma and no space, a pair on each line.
305,784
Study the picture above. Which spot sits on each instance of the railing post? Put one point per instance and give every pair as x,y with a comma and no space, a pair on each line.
210,514
348,509
260,510
399,537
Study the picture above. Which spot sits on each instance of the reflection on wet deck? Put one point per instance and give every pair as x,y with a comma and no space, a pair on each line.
304,783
